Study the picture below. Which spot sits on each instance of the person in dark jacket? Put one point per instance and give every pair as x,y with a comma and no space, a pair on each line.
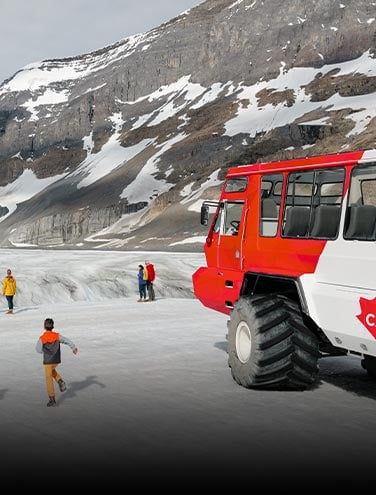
49,345
150,281
142,281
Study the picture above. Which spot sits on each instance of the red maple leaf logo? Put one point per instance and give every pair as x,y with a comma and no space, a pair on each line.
368,314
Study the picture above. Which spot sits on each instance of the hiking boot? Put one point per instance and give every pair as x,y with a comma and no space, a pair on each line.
10,312
62,385
51,402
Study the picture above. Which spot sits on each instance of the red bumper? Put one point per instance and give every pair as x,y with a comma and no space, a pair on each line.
217,289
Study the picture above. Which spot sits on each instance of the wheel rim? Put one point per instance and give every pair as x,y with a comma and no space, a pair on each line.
243,342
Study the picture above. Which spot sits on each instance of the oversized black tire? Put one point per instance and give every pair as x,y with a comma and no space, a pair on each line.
269,345
369,364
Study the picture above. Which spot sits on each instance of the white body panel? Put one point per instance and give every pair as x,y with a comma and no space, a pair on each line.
346,272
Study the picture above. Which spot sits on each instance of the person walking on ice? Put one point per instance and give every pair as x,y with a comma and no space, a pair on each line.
9,290
49,345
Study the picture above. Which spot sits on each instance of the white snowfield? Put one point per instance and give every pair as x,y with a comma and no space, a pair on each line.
150,398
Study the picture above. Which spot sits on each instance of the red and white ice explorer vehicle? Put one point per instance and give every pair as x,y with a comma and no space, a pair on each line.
291,257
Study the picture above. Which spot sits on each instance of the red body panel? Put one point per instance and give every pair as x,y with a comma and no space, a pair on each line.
211,289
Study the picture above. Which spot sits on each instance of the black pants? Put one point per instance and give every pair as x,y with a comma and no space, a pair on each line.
10,301
151,291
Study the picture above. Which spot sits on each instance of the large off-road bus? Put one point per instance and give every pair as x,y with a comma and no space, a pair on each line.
291,258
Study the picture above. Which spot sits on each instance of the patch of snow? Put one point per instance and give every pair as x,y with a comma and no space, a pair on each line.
252,118
190,240
49,97
112,155
42,74
17,155
145,184
23,188
196,194
210,95
90,90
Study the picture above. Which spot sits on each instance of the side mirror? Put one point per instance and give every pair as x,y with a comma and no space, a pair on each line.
204,215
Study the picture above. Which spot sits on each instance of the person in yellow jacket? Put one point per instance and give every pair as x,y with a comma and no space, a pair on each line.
9,290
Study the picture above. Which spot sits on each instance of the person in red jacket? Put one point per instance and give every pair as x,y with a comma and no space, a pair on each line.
150,282
48,344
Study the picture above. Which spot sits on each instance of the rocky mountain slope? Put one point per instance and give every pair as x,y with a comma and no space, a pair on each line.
118,148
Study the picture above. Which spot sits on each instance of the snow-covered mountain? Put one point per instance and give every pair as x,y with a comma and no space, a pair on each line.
118,148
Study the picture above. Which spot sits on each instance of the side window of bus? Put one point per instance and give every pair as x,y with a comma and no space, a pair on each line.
360,219
313,204
271,187
326,214
233,214
218,221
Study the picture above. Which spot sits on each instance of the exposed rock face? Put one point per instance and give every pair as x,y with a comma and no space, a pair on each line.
54,230
138,126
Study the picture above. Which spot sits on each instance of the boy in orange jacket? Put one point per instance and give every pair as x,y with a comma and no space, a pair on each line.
49,345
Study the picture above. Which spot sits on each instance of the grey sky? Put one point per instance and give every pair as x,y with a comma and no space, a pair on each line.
34,30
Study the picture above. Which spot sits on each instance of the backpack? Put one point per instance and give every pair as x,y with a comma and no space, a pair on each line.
144,274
